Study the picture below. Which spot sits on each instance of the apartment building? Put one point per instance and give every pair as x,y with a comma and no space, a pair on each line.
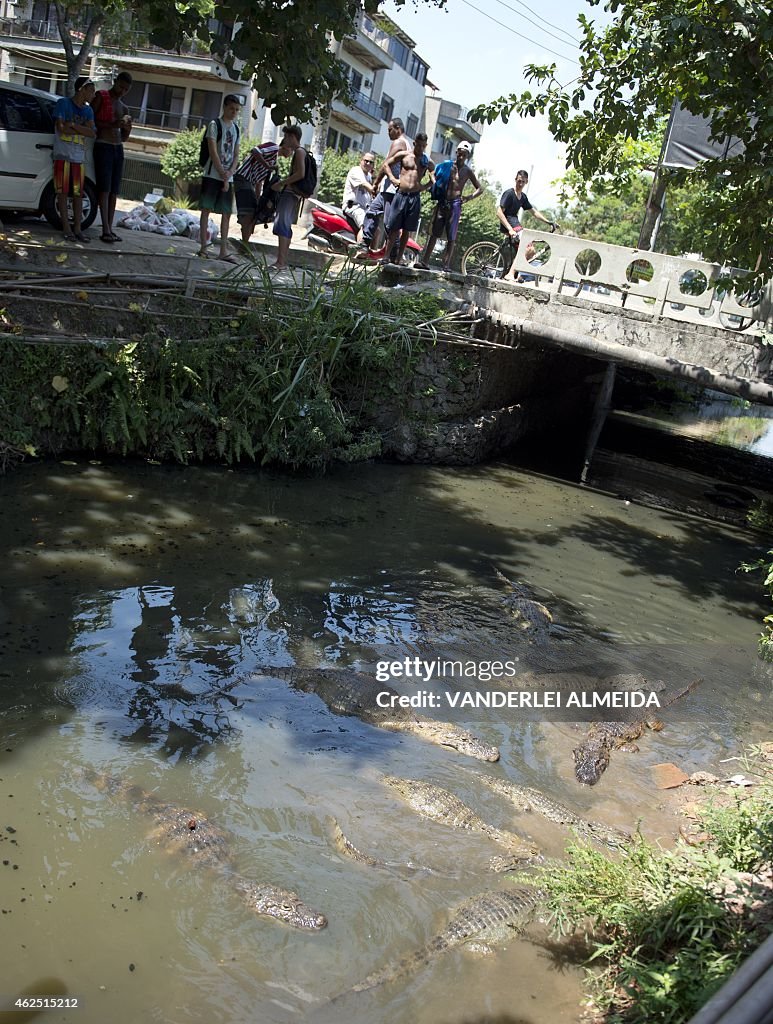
446,125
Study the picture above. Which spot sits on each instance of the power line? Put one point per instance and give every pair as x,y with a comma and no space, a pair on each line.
520,35
574,41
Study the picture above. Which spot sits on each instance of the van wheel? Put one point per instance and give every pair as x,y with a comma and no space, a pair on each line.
90,207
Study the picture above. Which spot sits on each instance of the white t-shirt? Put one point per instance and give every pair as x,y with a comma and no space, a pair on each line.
226,147
353,190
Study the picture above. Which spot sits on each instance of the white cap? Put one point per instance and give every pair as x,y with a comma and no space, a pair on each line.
464,147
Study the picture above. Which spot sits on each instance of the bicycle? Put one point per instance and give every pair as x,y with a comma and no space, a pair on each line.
492,260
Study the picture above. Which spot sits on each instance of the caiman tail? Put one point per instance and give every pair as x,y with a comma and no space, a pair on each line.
491,917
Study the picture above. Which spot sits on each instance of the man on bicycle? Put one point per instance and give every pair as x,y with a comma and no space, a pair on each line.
512,202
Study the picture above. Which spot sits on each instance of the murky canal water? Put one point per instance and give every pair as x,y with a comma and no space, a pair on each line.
136,601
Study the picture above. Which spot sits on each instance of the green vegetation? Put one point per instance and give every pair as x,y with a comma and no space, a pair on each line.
276,377
180,159
668,927
715,58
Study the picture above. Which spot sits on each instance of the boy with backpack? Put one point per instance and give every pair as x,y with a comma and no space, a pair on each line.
219,158
298,185
450,180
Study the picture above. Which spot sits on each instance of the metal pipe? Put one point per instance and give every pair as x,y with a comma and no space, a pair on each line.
747,996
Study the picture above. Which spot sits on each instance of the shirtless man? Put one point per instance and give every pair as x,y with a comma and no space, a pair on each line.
405,209
384,190
113,125
448,213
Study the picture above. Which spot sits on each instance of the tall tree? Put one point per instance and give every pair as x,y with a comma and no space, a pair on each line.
715,57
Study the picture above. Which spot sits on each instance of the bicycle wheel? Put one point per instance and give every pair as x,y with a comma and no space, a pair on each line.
484,259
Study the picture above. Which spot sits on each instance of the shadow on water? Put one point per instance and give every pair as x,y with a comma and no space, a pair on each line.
149,590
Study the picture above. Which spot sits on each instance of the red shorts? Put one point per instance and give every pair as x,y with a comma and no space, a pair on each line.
68,176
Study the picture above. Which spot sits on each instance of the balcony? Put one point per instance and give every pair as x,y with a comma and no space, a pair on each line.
369,45
133,47
361,112
166,120
454,116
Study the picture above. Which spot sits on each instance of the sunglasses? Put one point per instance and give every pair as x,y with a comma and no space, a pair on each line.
368,161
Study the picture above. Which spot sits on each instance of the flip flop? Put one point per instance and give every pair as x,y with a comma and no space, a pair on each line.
106,238
228,259
202,255
68,236
115,237
82,238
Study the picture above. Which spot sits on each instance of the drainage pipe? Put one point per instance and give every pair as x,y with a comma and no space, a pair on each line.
747,996
743,387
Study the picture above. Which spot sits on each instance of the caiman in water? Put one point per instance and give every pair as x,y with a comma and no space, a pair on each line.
207,846
525,798
347,692
532,616
439,805
491,917
591,758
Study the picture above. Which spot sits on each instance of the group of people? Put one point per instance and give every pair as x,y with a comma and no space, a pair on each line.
394,193
101,116
225,178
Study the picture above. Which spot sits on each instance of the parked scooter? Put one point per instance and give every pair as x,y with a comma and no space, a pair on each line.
332,231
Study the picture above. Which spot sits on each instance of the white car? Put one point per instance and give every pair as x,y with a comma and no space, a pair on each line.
26,156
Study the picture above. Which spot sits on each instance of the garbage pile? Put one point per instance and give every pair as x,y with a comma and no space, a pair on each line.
163,218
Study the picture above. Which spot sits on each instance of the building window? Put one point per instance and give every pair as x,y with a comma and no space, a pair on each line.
344,143
356,79
387,107
157,105
332,138
399,51
411,126
417,69
205,107
38,79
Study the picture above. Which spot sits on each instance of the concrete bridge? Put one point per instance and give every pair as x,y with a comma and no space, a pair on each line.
583,302
666,314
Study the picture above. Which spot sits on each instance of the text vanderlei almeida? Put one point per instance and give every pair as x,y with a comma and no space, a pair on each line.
420,670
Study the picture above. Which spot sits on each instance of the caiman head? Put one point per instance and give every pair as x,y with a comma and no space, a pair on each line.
590,762
281,904
447,735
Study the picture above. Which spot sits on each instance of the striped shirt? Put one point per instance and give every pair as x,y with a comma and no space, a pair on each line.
252,169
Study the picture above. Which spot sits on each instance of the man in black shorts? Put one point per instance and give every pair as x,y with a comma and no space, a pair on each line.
405,209
113,125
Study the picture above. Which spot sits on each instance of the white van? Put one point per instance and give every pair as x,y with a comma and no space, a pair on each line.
26,156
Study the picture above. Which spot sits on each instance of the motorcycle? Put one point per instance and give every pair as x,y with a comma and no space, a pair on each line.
332,231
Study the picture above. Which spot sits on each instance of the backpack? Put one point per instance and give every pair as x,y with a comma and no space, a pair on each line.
442,177
266,209
308,182
204,146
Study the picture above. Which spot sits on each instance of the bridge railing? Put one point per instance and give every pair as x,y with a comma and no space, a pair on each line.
650,282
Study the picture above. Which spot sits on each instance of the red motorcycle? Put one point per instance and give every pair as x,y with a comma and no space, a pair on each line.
332,231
